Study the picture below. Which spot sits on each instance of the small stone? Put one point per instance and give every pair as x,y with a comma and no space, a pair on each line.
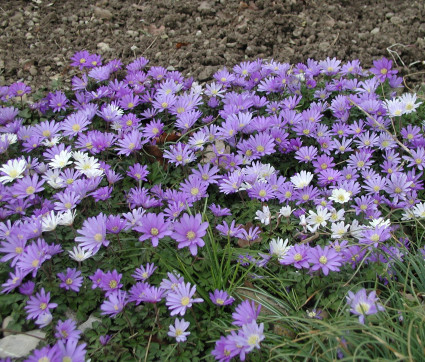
132,32
396,20
88,324
33,70
104,47
206,8
198,33
157,55
4,325
29,36
20,345
102,13
297,32
231,45
206,73
374,31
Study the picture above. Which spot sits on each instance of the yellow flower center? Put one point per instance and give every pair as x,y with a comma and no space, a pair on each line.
190,235
98,237
323,260
219,301
185,301
68,281
154,231
262,193
130,105
362,308
260,148
113,284
76,127
298,257
194,191
35,263
43,306
30,190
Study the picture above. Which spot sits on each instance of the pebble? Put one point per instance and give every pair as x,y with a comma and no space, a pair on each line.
396,20
104,47
102,13
33,70
206,73
20,345
88,324
206,8
375,31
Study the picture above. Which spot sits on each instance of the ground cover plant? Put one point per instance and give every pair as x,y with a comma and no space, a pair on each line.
275,213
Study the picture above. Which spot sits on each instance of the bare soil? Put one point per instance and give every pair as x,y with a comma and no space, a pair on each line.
38,37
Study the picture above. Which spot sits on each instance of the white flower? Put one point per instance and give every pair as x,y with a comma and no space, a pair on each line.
339,229
380,222
419,210
285,211
11,138
53,179
80,254
340,196
67,217
408,214
302,179
61,160
264,216
79,156
337,215
395,107
51,142
50,221
13,170
279,247
318,218
89,166
409,99
356,229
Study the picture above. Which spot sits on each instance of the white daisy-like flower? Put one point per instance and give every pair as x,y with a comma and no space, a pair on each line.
409,101
61,160
51,142
408,214
337,215
319,218
50,221
379,222
340,196
339,229
53,179
11,138
357,229
419,210
264,216
67,217
13,169
285,211
279,247
395,107
302,179
89,166
80,254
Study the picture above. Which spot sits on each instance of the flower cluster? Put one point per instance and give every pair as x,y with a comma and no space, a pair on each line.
319,148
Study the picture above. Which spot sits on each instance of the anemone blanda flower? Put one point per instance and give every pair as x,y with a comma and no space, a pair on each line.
188,231
178,330
245,313
153,227
39,304
180,299
114,304
13,169
67,330
221,298
93,233
71,280
326,259
362,304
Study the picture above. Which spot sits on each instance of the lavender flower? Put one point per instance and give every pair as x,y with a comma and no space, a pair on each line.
362,304
178,330
181,298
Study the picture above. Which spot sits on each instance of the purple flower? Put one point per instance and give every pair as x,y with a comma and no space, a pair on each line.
72,280
115,303
27,288
58,101
93,233
251,335
218,211
220,298
70,351
362,304
171,283
45,354
39,305
138,172
326,259
144,273
153,227
245,313
110,282
382,69
67,330
104,339
181,298
178,330
189,232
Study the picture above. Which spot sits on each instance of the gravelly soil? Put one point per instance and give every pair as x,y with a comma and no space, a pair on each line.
38,37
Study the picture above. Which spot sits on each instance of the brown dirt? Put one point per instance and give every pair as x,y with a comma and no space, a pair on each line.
38,37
